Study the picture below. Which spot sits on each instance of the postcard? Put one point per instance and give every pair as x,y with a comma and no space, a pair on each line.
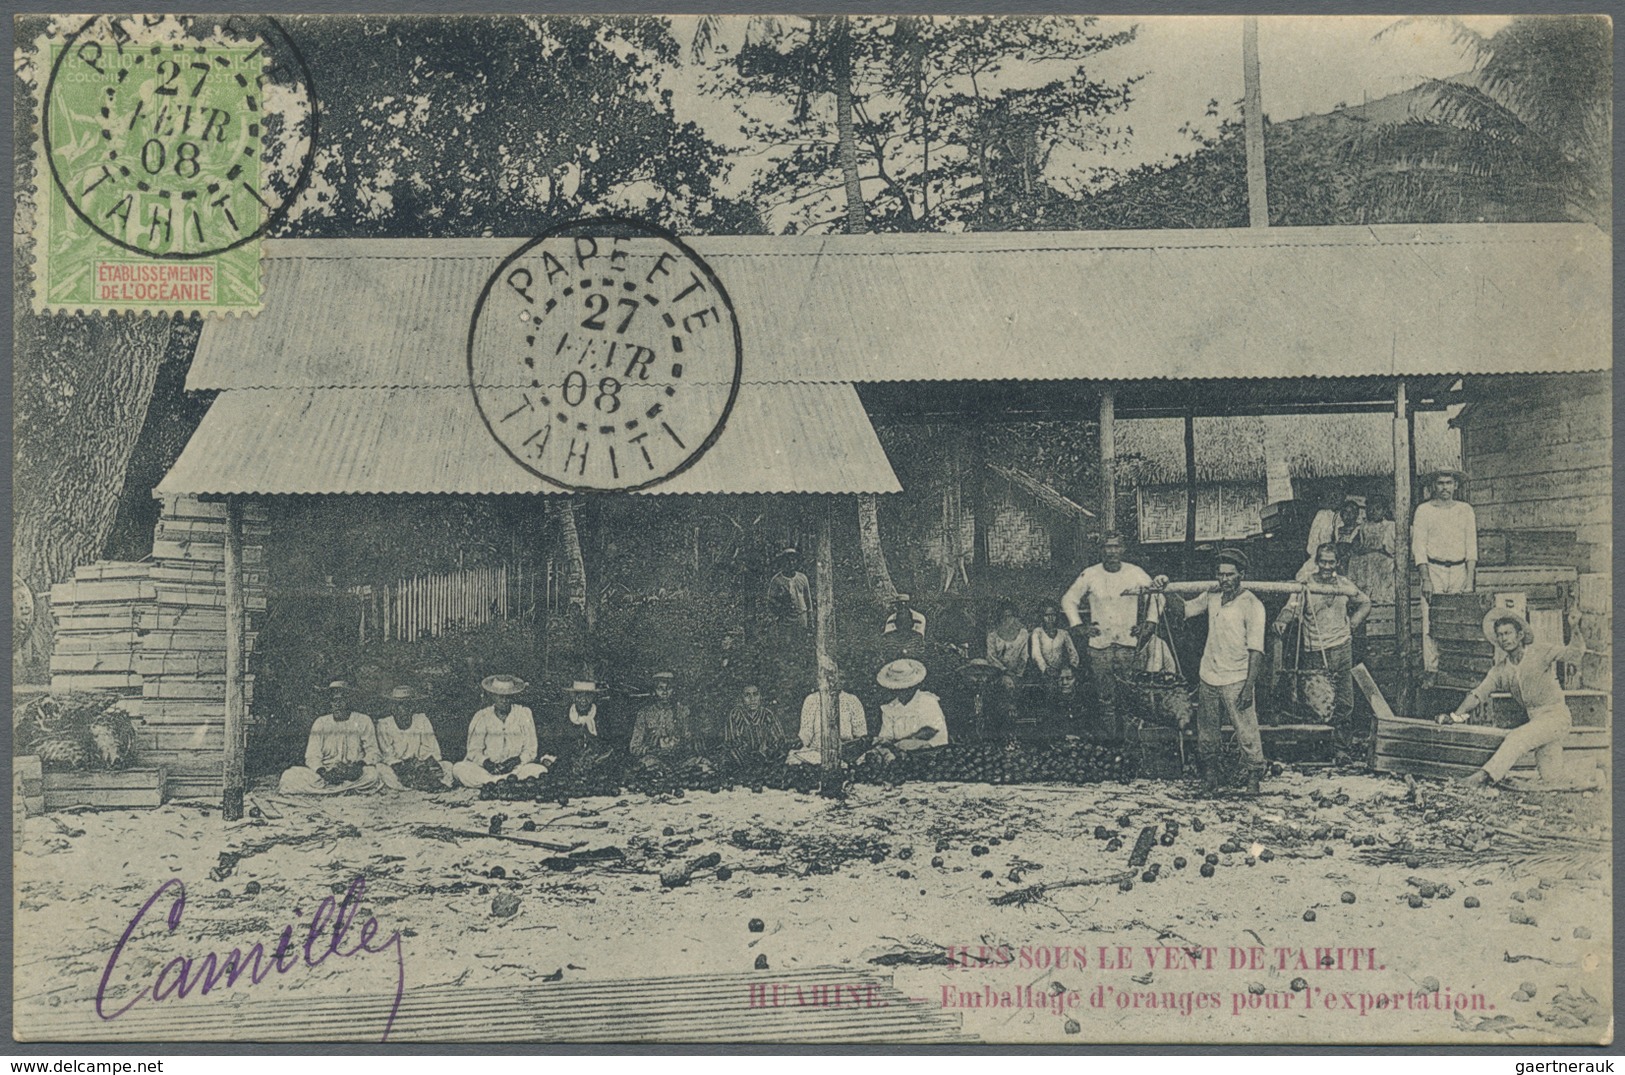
812,529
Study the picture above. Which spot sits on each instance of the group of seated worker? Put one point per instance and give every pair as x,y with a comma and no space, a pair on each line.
348,751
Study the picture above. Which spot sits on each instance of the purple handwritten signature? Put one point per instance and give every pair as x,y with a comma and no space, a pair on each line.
326,936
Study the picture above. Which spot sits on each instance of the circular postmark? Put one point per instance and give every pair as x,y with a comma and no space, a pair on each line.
604,355
178,136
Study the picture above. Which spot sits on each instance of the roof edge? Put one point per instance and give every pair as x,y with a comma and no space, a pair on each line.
1371,235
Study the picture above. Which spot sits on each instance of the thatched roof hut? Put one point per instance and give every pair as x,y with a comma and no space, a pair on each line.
1151,451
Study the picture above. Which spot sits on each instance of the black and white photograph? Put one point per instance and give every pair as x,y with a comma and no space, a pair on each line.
812,530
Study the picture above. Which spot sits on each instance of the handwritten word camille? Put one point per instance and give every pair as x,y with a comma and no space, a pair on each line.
325,936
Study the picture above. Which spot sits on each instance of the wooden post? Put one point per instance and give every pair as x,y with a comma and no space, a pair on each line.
1190,491
1258,203
234,784
824,646
1402,542
981,513
1108,460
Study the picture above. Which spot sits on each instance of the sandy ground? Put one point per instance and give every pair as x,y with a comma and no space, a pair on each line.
1155,963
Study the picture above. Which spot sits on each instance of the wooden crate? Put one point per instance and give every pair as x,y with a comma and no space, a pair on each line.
187,506
1298,742
96,681
197,688
122,788
1423,748
1591,709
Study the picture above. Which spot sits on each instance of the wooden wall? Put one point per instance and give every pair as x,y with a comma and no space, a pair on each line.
1538,452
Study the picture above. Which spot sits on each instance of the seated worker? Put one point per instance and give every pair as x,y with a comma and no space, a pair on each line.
341,754
663,735
501,737
1529,674
752,734
852,723
912,719
1052,646
408,751
573,736
1069,710
1008,644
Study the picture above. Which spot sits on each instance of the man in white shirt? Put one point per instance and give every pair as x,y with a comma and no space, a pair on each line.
1115,630
912,719
1326,633
341,753
501,737
408,750
853,723
1231,660
1444,548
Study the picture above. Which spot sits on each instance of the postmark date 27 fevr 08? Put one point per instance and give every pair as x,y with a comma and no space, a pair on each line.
604,355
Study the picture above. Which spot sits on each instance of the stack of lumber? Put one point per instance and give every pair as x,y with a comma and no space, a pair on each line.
99,616
154,632
183,654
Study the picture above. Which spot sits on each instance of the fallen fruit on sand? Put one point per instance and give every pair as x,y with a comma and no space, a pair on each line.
761,962
668,831
1212,859
1527,988
936,860
253,889
1197,824
1114,844
1413,863
1148,876
987,875
1520,996
723,873
1470,901
1126,886
1179,862
496,872
504,905
1071,1027
1427,891
1207,869
978,850
1347,897
1299,985
904,874
1414,900
1430,984
1266,855
756,925
1255,988
1308,916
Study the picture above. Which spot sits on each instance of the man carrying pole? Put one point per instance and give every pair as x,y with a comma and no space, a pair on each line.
1231,661
1327,632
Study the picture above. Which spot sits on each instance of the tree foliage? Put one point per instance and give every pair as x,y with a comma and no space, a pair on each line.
442,126
957,123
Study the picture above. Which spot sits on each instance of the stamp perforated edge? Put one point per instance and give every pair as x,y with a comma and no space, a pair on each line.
31,228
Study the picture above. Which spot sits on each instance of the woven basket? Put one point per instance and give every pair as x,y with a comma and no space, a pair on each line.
1159,698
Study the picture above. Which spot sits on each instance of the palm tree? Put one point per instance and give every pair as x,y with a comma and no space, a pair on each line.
1525,134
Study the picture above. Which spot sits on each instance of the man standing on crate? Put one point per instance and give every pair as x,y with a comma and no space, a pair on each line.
1444,548
1326,635
1231,661
1115,630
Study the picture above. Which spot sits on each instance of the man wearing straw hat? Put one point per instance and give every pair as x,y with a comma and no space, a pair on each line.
1444,548
501,737
341,754
408,750
912,719
1231,660
1529,674
574,735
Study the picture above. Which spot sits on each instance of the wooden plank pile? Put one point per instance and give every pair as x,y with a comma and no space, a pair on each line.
154,632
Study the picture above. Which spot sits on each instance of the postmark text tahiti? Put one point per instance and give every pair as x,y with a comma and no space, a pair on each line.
604,355
168,146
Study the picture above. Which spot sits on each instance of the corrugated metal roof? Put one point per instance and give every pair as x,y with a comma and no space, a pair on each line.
789,438
1275,302
1151,451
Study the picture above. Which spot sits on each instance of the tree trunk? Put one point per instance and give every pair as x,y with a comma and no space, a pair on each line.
857,213
874,554
82,386
575,565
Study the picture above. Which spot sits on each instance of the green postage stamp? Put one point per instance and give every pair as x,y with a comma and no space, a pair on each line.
165,149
